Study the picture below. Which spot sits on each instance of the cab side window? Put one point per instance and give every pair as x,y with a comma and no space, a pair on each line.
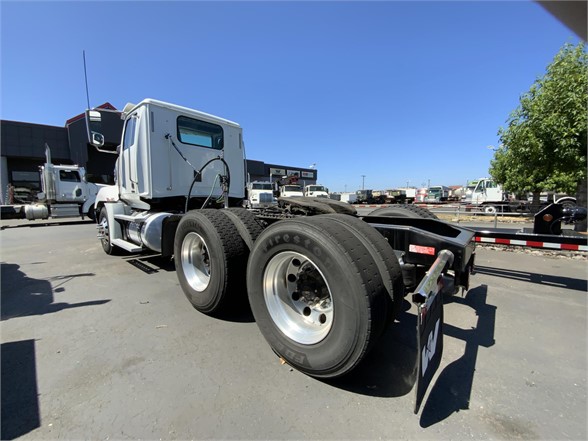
200,133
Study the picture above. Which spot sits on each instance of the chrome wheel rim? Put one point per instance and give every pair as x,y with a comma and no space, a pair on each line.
103,230
298,298
195,261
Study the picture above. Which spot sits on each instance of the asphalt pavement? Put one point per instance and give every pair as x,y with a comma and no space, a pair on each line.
108,347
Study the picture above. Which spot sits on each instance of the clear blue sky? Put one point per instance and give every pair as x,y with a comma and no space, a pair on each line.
396,91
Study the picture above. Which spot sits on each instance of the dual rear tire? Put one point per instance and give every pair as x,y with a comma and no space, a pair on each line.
210,259
321,288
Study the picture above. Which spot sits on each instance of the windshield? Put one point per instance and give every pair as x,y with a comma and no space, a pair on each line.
292,188
316,188
261,186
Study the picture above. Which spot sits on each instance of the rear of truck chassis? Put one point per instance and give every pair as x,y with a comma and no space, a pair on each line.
322,288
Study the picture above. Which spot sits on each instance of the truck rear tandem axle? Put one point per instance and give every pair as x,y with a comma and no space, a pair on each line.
323,284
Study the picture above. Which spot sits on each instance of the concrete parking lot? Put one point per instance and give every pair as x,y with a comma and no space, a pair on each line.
104,347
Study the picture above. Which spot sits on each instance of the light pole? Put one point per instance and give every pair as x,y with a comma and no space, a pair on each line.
362,182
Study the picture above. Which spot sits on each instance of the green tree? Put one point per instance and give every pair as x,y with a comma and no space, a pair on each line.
543,147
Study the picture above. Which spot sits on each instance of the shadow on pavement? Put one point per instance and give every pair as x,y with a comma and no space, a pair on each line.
389,369
542,279
24,296
20,404
150,263
38,224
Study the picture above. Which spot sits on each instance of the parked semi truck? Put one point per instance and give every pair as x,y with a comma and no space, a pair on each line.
316,191
410,194
368,197
323,283
64,192
437,193
490,197
260,195
291,191
345,196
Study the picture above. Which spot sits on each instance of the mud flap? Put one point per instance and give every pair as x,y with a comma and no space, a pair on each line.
429,301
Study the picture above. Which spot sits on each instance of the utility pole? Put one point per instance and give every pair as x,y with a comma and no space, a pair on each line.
362,182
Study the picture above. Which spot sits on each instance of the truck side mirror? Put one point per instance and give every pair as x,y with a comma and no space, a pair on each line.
97,139
94,128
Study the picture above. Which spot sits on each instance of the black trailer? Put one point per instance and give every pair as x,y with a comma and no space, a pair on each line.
547,232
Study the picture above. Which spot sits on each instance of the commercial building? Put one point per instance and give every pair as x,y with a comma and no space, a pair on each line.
22,151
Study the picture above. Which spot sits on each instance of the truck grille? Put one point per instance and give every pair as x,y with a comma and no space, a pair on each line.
265,198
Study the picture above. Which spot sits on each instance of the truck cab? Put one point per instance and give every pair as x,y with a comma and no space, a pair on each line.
291,191
486,190
260,195
164,147
65,192
316,191
437,193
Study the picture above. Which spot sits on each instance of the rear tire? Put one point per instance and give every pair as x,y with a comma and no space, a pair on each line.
316,295
404,210
246,223
384,258
210,259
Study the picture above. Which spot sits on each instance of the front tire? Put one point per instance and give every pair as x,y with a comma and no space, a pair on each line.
316,295
104,228
91,214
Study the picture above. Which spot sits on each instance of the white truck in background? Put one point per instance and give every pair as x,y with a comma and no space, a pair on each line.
64,192
316,191
411,194
291,191
260,195
489,196
347,197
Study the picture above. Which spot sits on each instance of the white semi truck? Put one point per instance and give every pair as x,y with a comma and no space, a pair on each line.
322,283
490,197
260,195
291,191
316,191
65,192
